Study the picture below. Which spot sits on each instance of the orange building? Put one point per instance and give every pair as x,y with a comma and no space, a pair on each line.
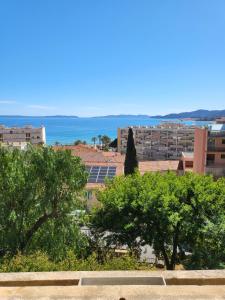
209,150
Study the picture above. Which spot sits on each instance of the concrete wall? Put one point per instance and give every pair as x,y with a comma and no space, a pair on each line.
180,285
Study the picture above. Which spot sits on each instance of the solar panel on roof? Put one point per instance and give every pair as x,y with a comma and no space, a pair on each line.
98,174
104,168
112,168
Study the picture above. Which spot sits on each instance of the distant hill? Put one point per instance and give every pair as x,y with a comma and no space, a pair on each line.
201,114
21,116
123,116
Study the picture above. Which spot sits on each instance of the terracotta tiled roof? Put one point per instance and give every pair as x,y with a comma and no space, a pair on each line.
79,148
94,157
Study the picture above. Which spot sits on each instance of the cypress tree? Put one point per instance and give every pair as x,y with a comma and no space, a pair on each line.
131,162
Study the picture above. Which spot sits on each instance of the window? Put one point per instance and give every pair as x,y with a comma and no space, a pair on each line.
27,137
88,195
223,141
189,164
222,156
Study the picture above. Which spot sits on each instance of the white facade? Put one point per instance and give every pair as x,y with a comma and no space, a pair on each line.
28,134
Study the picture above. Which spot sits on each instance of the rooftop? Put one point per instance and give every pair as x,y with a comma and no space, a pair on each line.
217,127
189,155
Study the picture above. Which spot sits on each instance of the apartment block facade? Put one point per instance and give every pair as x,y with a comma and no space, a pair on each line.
163,142
27,134
209,150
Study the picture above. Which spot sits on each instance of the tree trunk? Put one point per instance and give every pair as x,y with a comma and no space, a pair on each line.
174,253
34,229
165,256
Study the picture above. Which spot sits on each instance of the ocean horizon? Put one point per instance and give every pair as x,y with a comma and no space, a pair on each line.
67,129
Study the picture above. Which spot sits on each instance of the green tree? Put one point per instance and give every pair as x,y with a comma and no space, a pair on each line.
105,141
38,189
113,144
78,142
166,211
131,162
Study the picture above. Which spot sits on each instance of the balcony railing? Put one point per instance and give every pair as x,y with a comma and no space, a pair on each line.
216,134
216,149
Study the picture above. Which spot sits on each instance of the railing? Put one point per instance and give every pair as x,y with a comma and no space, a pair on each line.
216,134
216,148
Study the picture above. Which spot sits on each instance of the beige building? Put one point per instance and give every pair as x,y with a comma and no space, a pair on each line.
13,145
163,142
27,134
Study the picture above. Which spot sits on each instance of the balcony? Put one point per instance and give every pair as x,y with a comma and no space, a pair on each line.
215,149
216,134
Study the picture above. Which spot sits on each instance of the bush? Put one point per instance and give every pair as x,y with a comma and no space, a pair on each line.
40,262
36,262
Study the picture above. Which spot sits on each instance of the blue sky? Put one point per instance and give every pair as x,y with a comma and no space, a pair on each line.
97,57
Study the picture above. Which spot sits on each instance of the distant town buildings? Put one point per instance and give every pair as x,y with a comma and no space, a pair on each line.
163,142
17,136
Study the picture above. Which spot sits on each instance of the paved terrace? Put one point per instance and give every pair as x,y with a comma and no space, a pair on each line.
114,285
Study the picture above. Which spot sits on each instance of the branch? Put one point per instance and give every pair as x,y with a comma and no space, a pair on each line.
35,228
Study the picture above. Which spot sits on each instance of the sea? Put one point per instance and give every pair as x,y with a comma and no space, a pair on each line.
66,130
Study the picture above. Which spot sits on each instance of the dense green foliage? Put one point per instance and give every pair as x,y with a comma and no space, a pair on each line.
169,212
131,162
181,217
78,142
39,188
40,262
114,143
105,142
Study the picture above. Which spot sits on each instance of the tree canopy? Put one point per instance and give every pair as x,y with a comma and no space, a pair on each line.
39,188
169,212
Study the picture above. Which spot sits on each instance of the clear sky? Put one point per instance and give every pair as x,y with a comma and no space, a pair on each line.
97,57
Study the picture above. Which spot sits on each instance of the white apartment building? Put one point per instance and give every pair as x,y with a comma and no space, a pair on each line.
26,134
163,142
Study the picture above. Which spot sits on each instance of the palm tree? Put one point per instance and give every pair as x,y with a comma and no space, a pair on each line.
99,139
94,139
106,140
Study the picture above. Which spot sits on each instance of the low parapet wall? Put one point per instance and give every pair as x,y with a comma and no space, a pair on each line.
142,285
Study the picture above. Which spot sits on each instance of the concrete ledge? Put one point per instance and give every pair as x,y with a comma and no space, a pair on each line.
64,285
114,293
170,276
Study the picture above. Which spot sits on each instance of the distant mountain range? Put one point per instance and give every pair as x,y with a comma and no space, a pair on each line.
202,114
